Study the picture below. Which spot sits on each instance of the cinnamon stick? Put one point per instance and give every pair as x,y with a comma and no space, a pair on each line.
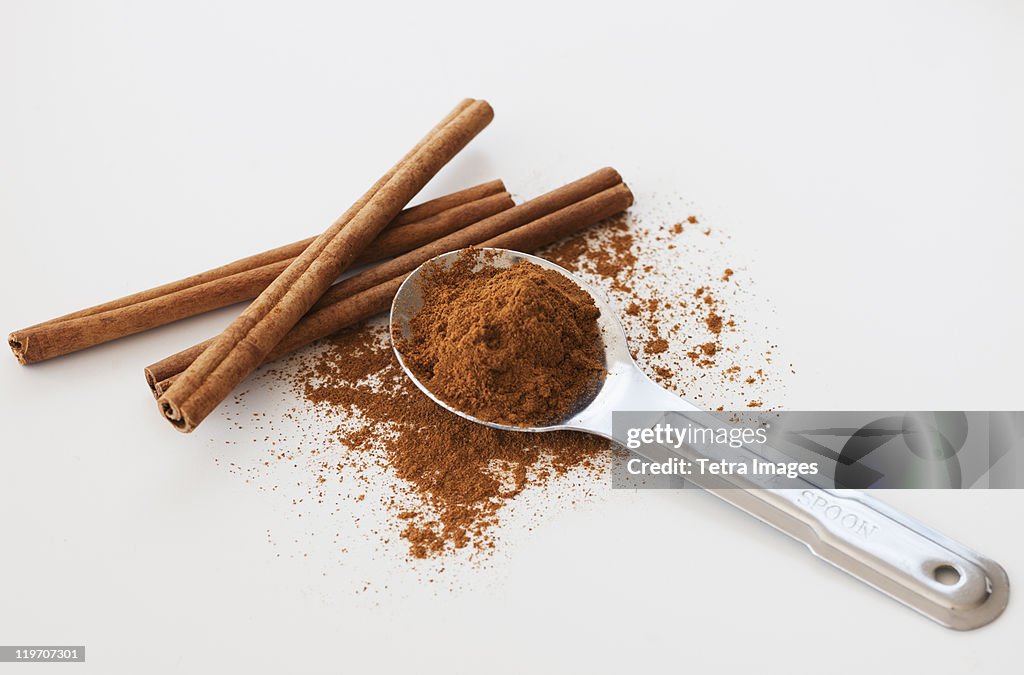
242,279
525,227
246,342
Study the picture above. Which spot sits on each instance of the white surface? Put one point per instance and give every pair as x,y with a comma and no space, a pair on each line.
869,157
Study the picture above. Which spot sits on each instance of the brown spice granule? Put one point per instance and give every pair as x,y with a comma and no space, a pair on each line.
656,346
518,346
714,322
664,373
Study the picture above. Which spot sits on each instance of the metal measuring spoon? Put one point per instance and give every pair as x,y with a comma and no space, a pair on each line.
899,556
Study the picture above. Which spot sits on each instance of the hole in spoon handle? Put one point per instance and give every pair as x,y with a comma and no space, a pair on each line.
927,571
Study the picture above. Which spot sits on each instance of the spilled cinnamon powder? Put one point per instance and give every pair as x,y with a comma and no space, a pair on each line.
518,345
457,475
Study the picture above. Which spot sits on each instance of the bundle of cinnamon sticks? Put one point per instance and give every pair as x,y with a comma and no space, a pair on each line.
296,298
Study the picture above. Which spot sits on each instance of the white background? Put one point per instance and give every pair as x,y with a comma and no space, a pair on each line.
868,156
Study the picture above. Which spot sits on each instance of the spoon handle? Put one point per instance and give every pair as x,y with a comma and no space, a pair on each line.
903,558
898,555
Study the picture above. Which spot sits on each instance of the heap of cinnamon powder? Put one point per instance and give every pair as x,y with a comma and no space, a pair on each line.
518,346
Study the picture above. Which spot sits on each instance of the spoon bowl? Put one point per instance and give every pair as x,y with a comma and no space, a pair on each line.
621,372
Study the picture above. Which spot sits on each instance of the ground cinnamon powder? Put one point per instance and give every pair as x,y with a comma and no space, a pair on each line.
518,346
445,483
